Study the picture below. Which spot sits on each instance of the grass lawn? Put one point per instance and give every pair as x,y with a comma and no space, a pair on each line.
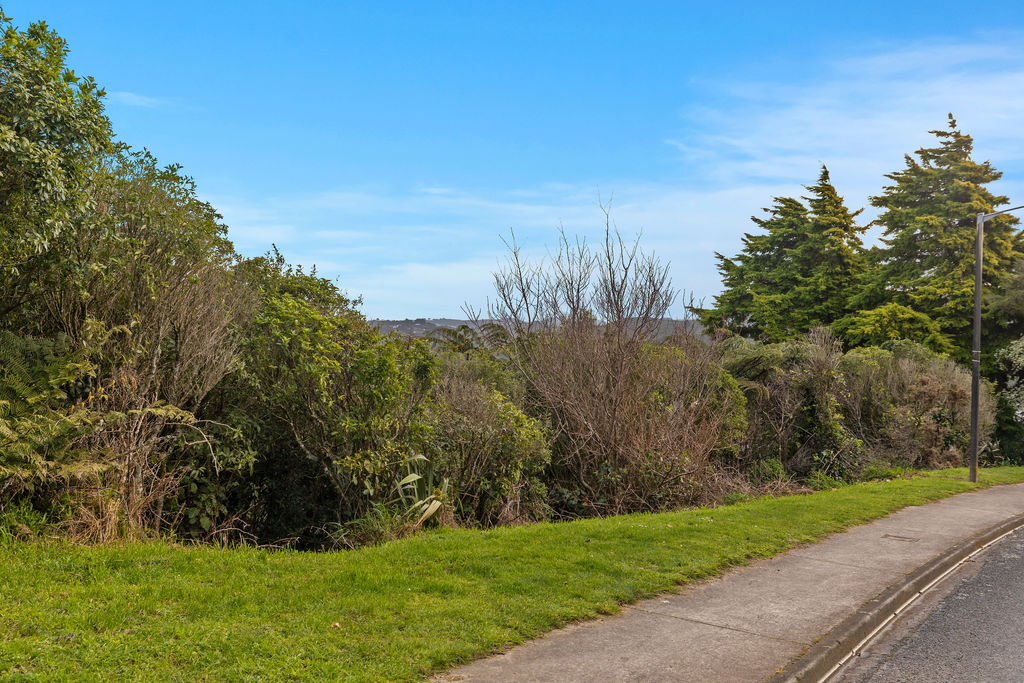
394,612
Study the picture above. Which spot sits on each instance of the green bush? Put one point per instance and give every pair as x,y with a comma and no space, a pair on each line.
483,366
737,497
793,411
909,406
875,471
1010,426
819,481
891,322
818,410
332,408
765,471
492,454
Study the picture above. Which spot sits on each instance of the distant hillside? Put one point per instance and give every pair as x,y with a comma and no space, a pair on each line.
420,327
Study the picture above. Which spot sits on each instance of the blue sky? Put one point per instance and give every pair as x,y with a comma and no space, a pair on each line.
392,144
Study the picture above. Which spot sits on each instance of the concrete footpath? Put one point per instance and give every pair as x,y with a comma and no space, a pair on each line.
749,623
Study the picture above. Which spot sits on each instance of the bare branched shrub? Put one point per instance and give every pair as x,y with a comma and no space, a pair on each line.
635,419
141,441
153,374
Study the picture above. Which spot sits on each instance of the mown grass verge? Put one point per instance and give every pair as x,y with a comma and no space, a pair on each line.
394,612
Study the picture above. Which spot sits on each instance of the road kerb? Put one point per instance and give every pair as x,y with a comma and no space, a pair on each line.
835,647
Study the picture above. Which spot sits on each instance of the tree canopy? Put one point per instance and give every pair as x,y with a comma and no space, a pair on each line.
52,131
926,261
795,275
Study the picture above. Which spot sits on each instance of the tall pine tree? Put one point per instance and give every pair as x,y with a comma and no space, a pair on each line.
755,280
828,259
928,216
797,274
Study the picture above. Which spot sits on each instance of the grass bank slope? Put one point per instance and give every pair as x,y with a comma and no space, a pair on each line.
394,612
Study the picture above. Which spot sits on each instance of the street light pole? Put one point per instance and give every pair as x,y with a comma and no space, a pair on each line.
979,243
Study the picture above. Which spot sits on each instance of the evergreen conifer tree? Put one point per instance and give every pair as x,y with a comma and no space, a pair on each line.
795,276
928,216
756,278
827,259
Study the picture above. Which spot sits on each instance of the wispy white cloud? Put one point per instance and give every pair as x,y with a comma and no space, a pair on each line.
132,99
381,246
864,115
438,289
424,251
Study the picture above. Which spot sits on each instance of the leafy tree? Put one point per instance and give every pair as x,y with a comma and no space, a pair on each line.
928,216
153,259
797,274
271,275
52,130
1007,303
348,395
754,280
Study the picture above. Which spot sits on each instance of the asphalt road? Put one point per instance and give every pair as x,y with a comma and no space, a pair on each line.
969,628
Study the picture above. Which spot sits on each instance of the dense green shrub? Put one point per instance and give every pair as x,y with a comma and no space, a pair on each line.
1010,417
891,322
910,406
793,410
826,414
492,454
767,471
333,408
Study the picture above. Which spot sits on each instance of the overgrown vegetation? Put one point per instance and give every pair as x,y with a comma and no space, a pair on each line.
156,384
635,421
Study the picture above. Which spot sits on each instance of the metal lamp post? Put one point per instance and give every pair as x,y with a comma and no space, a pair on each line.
979,240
